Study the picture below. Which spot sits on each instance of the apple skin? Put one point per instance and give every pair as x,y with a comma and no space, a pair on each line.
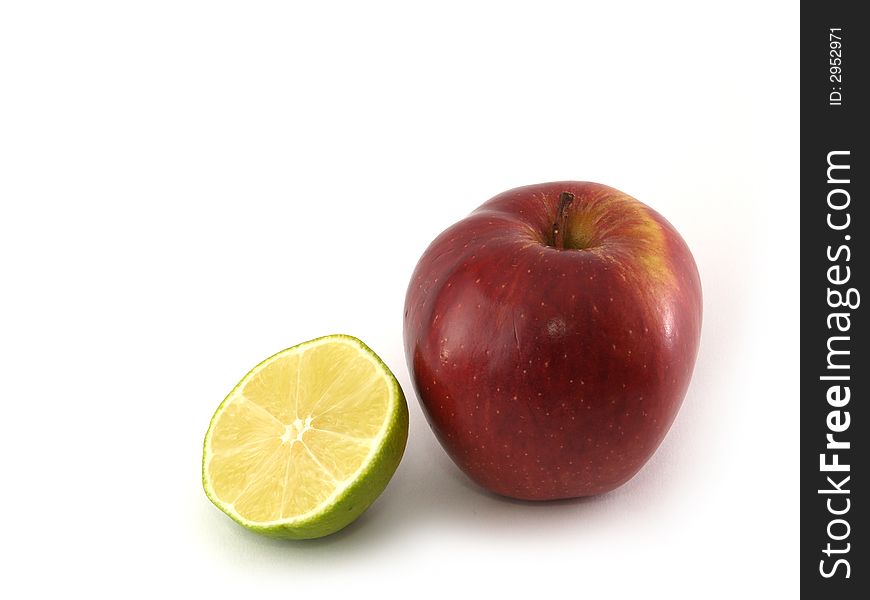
550,372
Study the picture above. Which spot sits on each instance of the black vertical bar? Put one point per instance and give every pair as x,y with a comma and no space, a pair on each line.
835,368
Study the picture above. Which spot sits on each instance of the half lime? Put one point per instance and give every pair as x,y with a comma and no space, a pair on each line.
307,440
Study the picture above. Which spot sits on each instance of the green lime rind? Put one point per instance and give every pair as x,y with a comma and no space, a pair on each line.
370,481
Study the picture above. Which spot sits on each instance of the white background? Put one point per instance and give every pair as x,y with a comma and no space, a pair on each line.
186,188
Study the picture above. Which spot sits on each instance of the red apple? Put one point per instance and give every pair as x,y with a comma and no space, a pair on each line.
551,336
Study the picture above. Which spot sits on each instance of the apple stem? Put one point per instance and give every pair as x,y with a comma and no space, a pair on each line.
558,237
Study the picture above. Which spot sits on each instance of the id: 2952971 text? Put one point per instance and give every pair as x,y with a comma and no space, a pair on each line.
835,66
